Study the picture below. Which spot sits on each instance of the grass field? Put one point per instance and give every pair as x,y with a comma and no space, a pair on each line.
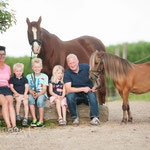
137,97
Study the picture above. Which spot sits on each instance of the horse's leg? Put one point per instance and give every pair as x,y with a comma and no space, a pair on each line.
129,113
124,94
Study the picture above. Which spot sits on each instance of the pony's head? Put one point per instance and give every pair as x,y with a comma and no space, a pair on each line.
35,35
96,67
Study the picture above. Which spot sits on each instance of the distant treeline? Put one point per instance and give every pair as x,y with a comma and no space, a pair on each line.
136,52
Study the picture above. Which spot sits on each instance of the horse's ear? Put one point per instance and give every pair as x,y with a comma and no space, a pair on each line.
40,19
28,21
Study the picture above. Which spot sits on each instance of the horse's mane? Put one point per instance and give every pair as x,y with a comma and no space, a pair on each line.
116,67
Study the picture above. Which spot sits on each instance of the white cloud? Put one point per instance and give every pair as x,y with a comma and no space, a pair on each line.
112,21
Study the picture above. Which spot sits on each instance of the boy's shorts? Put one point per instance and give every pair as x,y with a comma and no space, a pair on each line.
20,97
40,100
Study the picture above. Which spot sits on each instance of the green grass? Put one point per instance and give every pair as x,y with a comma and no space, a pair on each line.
136,97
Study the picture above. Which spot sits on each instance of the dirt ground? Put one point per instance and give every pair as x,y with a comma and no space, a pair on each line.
107,136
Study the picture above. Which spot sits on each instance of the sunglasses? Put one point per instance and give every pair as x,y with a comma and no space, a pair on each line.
2,55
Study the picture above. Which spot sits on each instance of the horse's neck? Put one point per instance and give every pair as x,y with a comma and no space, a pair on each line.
49,43
49,35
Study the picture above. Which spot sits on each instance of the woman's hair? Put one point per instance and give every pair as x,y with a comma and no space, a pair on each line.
36,60
18,65
54,78
3,48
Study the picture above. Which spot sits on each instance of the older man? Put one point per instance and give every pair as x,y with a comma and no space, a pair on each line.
80,89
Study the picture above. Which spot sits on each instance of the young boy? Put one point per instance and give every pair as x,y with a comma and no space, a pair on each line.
38,83
19,86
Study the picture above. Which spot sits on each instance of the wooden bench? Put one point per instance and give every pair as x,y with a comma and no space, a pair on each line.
83,111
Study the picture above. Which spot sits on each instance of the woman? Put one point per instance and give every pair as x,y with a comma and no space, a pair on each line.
6,99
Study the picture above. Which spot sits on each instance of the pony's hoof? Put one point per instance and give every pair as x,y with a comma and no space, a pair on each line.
130,121
124,122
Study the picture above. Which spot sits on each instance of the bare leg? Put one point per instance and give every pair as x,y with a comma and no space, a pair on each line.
58,107
26,108
32,110
64,112
11,109
41,114
5,112
18,103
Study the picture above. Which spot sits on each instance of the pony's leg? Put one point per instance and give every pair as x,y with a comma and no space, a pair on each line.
124,96
129,113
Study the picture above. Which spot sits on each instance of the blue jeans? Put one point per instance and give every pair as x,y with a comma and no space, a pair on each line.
73,99
40,100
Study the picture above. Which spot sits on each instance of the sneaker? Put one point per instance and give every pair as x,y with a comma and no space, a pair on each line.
39,125
95,121
34,123
76,121
25,121
18,117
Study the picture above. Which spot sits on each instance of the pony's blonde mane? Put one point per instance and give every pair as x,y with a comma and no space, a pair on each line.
116,67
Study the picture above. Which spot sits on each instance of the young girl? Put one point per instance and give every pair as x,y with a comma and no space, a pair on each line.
57,90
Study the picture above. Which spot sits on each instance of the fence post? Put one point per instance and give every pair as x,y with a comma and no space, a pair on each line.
124,51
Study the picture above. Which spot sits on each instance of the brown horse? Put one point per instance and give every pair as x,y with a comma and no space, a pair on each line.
53,51
127,77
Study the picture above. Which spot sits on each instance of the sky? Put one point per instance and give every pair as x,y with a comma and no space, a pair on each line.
112,21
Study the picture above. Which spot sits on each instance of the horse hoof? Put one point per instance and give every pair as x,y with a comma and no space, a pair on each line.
130,121
123,122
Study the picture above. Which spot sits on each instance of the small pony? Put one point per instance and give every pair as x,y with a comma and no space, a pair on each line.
127,77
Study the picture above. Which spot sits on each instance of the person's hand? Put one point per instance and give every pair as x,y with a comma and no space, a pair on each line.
16,94
94,89
25,96
86,89
60,97
34,94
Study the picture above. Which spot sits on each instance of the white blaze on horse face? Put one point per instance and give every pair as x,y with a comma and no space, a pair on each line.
36,47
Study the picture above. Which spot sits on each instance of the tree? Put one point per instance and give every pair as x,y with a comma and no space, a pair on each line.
7,17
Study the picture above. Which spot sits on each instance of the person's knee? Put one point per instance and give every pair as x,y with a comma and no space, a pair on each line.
4,103
25,102
41,101
70,97
18,102
92,97
57,101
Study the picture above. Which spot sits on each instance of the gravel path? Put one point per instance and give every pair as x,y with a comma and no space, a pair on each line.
108,136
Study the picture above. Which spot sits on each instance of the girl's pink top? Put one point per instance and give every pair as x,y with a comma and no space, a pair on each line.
5,75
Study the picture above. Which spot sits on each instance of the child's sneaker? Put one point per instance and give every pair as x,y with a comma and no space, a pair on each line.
18,117
34,123
25,121
39,125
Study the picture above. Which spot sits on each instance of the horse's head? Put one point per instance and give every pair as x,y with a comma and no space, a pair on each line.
96,67
35,35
